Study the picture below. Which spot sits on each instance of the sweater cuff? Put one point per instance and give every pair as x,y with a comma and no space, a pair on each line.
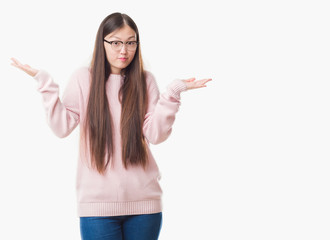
36,77
40,78
175,88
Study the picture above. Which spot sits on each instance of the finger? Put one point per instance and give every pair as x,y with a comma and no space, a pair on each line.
13,59
21,67
16,65
16,61
206,81
13,64
203,81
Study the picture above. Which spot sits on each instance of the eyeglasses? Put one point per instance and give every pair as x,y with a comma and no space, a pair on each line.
117,45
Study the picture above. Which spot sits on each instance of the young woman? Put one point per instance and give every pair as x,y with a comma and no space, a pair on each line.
120,112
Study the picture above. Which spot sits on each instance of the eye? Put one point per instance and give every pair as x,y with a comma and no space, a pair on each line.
116,43
132,43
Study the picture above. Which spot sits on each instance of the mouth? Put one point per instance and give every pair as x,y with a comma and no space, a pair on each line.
122,59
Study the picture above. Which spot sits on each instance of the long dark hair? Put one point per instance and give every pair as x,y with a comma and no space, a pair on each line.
98,126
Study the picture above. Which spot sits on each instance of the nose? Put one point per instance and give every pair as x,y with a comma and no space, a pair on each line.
123,49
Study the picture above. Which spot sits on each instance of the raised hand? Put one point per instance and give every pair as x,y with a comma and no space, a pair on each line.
26,68
192,84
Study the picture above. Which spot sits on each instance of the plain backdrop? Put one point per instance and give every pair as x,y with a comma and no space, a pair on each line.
248,157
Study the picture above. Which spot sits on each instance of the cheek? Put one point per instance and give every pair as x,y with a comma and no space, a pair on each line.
111,57
131,56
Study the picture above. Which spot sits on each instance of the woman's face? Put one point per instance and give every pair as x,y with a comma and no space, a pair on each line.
120,58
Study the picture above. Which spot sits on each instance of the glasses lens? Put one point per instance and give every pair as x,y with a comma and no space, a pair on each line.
117,45
131,45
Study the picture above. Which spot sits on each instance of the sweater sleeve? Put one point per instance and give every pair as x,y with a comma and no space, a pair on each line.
62,116
161,109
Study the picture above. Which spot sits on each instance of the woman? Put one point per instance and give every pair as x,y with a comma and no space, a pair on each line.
120,112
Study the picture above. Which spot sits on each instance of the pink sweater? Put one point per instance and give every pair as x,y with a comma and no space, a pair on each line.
118,191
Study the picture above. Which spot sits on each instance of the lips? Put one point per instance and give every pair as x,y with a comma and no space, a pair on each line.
122,59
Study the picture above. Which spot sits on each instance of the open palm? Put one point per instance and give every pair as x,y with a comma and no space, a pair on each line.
26,68
192,84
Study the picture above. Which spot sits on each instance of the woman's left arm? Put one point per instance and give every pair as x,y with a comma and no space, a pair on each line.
162,108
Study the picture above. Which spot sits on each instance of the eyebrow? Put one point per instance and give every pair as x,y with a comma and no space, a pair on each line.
120,38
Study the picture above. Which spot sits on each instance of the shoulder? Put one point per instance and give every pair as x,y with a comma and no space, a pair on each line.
151,81
149,75
81,75
81,71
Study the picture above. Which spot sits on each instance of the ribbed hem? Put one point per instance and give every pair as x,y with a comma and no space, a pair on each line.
176,87
119,208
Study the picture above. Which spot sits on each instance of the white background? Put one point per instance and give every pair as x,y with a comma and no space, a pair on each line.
249,155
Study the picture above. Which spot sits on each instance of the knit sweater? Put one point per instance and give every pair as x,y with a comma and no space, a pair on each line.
118,191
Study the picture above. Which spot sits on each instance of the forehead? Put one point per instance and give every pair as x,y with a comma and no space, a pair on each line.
125,32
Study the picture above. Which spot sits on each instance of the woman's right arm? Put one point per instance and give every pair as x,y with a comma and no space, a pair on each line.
62,116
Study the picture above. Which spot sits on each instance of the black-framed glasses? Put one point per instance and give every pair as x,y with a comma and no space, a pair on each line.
117,45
